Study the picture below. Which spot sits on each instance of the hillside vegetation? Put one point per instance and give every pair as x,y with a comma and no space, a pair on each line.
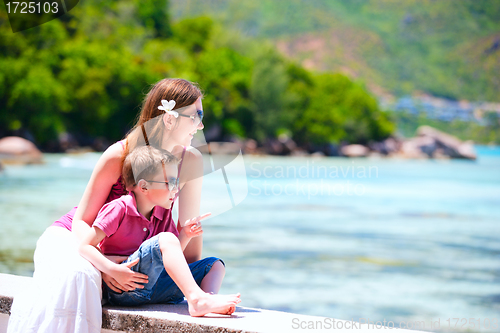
447,48
87,73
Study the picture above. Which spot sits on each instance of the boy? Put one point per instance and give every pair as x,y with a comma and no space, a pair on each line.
138,225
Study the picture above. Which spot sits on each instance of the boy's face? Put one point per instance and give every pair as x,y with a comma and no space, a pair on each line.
159,193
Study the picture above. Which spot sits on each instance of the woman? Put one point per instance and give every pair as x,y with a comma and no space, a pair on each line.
66,294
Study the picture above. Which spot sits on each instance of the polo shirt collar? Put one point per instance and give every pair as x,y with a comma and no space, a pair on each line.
157,210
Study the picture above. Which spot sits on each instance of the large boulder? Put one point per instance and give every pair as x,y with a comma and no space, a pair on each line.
412,148
389,146
466,149
448,144
354,151
16,150
419,147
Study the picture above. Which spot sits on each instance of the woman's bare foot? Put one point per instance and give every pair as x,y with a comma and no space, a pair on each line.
206,303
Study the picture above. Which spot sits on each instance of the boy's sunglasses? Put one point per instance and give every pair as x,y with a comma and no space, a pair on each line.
197,119
172,184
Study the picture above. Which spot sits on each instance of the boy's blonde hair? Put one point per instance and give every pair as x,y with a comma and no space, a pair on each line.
144,163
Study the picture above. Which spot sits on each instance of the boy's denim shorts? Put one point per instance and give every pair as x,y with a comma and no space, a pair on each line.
160,287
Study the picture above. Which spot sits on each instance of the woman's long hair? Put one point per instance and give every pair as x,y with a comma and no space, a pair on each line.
149,128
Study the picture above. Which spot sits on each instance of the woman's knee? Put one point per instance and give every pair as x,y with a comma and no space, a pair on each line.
219,267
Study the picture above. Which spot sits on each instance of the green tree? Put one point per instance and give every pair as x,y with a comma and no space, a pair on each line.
341,110
225,76
69,75
267,93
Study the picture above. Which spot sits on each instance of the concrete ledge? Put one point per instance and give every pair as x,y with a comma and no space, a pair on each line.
175,318
10,285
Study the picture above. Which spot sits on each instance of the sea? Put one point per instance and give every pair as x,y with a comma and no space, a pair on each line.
415,243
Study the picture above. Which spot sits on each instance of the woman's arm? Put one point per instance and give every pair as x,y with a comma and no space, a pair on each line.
191,179
105,174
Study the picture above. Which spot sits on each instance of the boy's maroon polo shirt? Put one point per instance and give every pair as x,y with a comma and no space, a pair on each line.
126,229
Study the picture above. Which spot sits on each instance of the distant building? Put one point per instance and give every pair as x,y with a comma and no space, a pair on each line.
442,109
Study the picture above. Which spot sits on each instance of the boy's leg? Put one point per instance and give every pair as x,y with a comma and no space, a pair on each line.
200,303
151,264
170,277
166,291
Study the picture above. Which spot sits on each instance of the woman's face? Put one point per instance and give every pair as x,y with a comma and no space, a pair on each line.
183,133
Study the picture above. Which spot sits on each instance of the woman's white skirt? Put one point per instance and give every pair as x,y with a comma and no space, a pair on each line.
66,292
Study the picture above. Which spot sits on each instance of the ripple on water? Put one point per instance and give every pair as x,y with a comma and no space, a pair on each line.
420,243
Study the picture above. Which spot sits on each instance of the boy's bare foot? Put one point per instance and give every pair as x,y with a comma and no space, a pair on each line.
206,303
231,310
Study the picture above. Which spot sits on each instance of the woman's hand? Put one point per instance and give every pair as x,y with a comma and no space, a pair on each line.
122,278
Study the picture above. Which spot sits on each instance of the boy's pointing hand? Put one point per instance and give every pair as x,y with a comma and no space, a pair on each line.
193,227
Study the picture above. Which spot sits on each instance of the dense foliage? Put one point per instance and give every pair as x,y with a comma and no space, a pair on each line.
87,72
448,48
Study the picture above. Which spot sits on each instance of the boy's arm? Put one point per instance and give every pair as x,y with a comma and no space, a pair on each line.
88,250
192,228
126,278
183,239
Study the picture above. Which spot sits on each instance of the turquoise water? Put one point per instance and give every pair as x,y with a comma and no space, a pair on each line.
400,240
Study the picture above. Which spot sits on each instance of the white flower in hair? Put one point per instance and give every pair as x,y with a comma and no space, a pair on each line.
167,106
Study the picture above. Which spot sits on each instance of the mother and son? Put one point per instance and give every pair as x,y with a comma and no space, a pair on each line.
123,233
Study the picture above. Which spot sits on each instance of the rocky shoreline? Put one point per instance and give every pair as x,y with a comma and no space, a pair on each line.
429,143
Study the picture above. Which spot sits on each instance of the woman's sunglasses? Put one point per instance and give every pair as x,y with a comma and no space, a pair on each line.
197,118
